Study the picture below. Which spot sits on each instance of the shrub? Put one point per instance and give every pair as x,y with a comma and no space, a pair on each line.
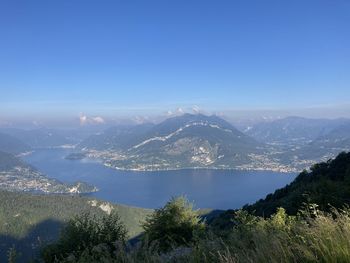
84,233
173,225
310,236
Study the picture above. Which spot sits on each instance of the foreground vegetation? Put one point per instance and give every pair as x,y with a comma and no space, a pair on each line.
177,235
30,221
294,228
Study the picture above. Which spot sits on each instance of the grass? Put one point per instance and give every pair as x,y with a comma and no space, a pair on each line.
308,237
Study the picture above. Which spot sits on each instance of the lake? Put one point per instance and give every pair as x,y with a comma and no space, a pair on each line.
219,189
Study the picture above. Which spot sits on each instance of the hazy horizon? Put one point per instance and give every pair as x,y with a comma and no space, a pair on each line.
236,117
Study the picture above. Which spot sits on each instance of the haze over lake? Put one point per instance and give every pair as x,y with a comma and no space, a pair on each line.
219,189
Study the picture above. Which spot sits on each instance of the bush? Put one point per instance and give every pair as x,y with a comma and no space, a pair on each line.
310,236
83,233
173,225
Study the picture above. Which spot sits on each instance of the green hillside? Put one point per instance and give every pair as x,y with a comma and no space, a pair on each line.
327,184
29,221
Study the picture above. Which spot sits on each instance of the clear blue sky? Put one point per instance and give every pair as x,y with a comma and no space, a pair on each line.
106,57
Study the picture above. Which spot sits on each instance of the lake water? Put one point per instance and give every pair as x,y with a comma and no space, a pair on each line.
219,189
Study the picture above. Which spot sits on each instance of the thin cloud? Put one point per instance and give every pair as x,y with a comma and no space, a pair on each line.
85,120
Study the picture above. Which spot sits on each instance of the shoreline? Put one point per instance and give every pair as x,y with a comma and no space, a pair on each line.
281,170
196,168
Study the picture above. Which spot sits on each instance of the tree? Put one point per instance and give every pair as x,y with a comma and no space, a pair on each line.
173,225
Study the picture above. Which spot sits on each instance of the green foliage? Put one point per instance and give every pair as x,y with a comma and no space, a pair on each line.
121,254
327,184
19,212
84,233
12,255
30,221
309,237
173,225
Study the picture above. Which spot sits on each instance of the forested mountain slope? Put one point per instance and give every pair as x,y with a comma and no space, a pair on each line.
327,184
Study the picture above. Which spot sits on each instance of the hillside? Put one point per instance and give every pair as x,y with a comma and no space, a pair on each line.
12,145
327,185
16,175
41,137
114,138
29,221
9,161
298,142
338,138
187,141
295,130
328,144
199,141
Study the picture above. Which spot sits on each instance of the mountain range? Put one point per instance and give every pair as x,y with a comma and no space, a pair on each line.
329,144
196,141
293,130
200,141
187,141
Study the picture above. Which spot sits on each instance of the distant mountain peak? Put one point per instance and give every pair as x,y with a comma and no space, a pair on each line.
186,141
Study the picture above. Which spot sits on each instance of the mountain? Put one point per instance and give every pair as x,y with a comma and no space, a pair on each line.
9,161
329,144
295,130
298,142
337,138
12,145
187,141
16,175
115,138
30,221
41,138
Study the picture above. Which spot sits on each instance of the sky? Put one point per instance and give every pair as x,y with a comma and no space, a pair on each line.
67,58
